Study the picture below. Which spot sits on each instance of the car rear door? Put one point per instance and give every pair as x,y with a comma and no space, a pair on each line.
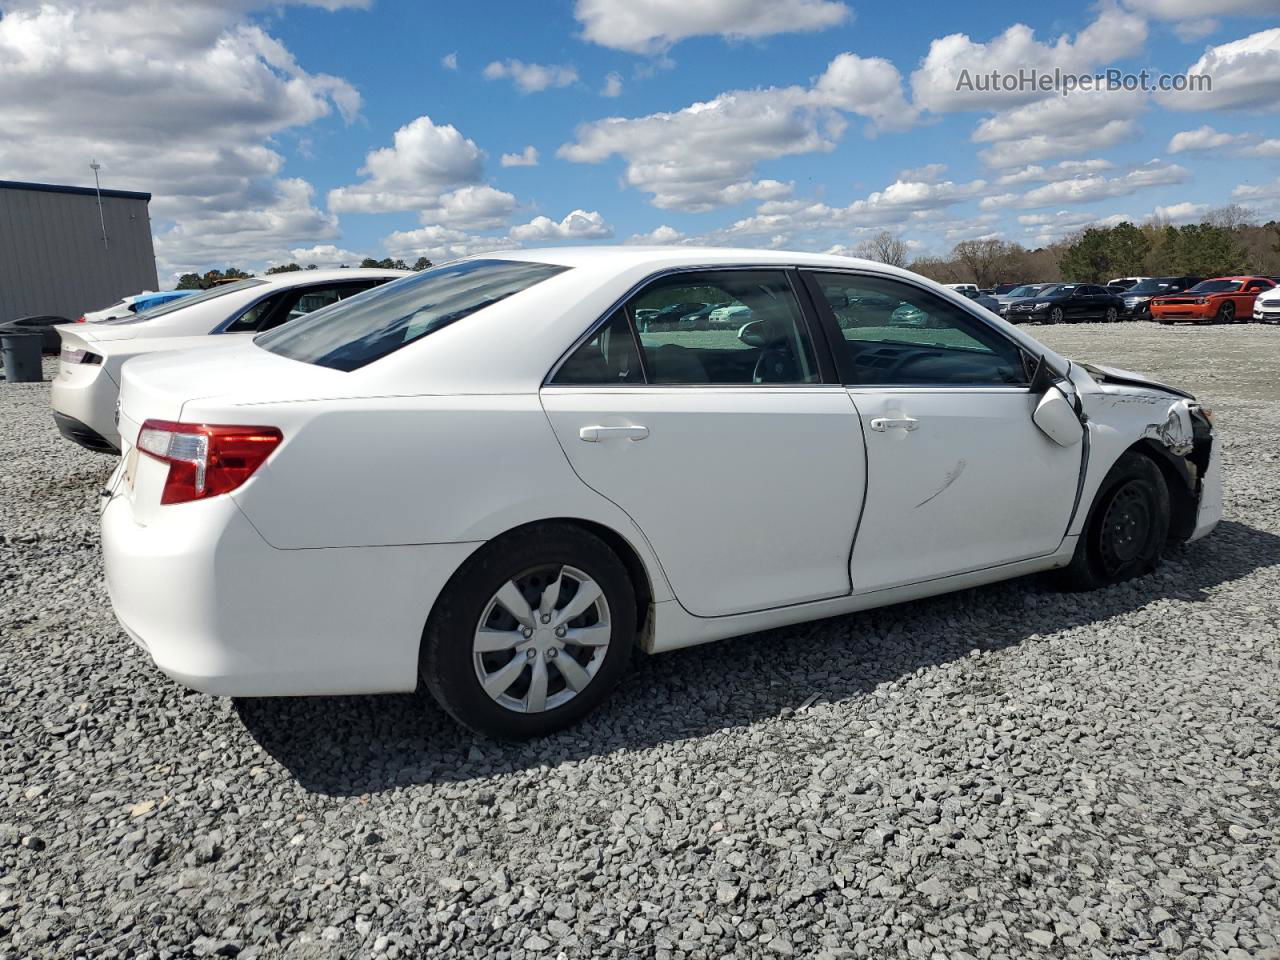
741,462
958,476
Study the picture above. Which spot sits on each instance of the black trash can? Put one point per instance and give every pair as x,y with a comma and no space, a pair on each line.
22,357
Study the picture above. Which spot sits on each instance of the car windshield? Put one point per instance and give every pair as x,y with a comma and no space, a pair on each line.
183,302
1151,286
358,331
1058,290
1027,290
1216,286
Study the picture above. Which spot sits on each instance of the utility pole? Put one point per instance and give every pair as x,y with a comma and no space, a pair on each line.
95,166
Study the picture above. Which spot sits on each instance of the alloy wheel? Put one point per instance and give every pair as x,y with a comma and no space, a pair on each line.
541,639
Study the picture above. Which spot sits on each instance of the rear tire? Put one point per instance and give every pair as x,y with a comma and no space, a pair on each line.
532,559
1127,527
1112,314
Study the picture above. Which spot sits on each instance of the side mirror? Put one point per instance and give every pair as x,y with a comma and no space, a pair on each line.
1057,419
752,334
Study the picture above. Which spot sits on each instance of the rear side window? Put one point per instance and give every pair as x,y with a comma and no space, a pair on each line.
356,332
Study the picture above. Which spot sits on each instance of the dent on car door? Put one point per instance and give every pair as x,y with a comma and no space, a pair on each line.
959,478
741,466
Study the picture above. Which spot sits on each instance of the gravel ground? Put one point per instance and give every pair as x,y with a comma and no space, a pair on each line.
1006,772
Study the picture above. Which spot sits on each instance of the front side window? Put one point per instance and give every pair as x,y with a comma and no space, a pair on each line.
363,329
894,333
723,327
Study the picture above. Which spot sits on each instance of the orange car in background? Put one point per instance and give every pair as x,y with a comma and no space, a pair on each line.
1222,300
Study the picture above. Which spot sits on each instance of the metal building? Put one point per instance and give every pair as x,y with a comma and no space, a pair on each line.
53,258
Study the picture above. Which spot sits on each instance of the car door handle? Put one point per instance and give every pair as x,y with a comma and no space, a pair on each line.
597,433
881,424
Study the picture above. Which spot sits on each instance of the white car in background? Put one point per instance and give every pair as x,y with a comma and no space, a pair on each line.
1266,308
121,308
486,479
84,391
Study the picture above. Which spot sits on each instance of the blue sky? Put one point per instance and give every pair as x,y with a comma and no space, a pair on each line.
340,128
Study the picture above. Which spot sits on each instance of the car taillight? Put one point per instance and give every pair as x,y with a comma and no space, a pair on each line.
81,319
205,459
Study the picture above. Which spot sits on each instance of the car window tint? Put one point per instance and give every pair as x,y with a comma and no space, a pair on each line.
249,320
607,357
896,333
723,327
363,329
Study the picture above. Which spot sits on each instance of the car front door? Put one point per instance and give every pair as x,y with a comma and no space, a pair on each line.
959,478
739,459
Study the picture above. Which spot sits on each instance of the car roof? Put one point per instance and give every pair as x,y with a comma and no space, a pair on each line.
659,257
297,277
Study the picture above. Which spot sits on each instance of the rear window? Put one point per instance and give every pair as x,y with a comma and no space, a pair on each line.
356,332
183,302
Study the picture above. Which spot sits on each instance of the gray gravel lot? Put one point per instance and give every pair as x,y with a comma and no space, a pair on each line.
1006,772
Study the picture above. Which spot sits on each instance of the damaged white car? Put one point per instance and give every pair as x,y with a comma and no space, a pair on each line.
488,479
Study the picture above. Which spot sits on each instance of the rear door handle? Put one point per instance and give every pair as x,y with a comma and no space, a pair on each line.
881,424
597,433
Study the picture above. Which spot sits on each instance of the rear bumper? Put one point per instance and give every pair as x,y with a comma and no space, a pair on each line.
83,434
221,611
86,394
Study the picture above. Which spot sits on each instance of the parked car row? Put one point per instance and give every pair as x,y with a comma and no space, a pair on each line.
1164,299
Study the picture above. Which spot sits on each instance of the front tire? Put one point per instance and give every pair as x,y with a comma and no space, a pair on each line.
1226,313
1127,527
1055,315
531,634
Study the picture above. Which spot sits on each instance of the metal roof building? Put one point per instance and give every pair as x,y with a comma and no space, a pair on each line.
53,256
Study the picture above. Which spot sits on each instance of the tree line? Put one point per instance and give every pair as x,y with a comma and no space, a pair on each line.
211,278
1226,242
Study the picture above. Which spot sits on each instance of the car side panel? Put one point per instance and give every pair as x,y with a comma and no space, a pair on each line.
431,469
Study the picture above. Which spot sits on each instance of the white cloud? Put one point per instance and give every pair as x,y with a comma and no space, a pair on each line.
1257,191
532,77
449,61
1193,9
1267,148
182,99
423,161
577,225
929,173
470,208
659,236
1115,34
705,155
1203,138
1189,31
1059,126
440,244
612,85
891,205
1185,212
323,255
651,26
1245,74
528,157
1034,173
1090,188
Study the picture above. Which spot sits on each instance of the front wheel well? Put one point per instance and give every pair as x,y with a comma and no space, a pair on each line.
1180,477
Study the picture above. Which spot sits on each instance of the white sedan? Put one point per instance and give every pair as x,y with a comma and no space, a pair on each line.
484,478
84,391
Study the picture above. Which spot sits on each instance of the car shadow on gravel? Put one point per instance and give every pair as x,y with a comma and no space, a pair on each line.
359,745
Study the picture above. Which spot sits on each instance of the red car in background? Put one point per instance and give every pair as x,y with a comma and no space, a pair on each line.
1222,300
